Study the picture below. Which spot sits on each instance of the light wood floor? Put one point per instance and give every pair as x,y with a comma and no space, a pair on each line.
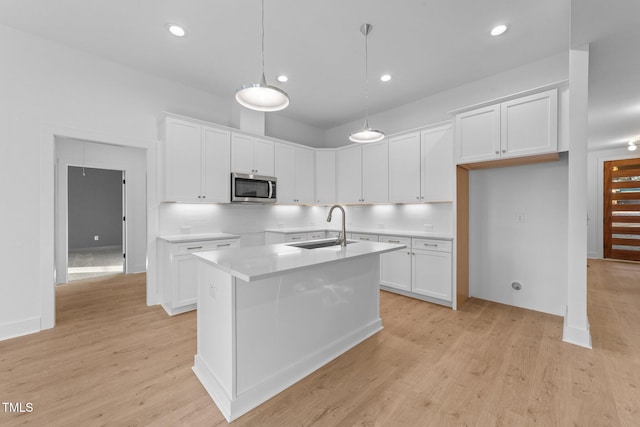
113,361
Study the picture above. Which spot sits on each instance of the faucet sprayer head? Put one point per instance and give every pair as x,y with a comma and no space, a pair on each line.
329,218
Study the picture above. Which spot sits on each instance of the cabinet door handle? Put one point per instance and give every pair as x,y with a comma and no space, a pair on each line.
434,245
394,241
296,238
497,151
194,247
504,151
364,238
223,244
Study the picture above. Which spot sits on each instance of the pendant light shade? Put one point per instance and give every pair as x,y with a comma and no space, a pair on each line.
366,134
261,96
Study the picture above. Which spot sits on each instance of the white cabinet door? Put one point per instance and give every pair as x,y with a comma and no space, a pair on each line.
432,274
285,158
375,172
349,174
404,168
305,175
185,279
437,164
478,135
365,237
216,153
529,125
395,267
183,161
325,176
263,157
242,154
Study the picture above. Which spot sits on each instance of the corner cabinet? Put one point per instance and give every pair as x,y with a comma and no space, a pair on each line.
252,155
518,127
325,176
196,162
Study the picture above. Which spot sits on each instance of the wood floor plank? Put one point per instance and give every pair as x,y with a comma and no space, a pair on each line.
111,360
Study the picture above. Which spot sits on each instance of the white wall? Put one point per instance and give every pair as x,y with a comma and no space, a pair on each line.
129,159
434,109
534,253
595,208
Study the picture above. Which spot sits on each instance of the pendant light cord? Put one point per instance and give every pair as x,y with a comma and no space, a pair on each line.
263,37
366,79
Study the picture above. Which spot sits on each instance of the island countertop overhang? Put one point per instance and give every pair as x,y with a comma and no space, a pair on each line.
261,262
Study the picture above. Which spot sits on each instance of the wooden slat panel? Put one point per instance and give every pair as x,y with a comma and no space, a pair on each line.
626,184
625,173
625,230
626,219
626,207
625,242
625,196
462,235
627,162
628,255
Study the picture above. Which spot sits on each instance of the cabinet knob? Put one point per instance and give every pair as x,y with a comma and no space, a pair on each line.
418,197
497,152
504,151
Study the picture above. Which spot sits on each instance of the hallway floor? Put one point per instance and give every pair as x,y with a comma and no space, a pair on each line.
95,262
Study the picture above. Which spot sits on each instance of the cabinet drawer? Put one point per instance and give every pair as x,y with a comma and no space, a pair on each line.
365,237
396,240
187,248
316,235
297,237
432,245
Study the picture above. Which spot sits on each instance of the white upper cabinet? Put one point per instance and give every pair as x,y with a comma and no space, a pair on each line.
529,125
325,176
404,168
375,172
478,135
305,175
421,166
295,170
517,127
349,174
196,162
252,155
436,149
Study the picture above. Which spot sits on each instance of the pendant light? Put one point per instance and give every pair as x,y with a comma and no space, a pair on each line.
366,134
261,96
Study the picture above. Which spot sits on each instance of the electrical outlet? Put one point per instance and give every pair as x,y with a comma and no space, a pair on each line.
96,237
427,227
519,217
212,290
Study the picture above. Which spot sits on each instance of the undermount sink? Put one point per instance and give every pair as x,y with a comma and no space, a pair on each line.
318,244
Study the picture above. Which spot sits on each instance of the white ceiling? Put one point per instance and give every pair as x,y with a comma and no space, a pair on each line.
426,45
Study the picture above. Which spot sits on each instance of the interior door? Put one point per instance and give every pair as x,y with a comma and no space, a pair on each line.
622,209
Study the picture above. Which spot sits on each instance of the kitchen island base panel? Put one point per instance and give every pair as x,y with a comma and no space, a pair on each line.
257,338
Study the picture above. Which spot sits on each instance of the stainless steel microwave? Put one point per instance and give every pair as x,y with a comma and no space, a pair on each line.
253,188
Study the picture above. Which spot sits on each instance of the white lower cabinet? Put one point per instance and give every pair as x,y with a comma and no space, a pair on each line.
180,272
423,270
395,267
365,237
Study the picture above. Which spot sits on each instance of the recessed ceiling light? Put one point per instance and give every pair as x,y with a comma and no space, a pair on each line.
385,77
176,30
282,78
498,29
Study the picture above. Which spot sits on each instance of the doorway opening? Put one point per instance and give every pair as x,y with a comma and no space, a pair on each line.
96,229
622,209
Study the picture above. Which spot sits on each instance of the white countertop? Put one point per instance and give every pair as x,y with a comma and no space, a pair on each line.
379,231
260,262
184,238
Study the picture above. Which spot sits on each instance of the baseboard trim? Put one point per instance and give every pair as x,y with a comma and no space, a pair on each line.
19,328
575,336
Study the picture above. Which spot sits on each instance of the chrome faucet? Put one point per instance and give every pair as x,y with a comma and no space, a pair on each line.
342,237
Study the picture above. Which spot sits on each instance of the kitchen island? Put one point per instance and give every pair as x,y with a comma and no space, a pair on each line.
270,315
